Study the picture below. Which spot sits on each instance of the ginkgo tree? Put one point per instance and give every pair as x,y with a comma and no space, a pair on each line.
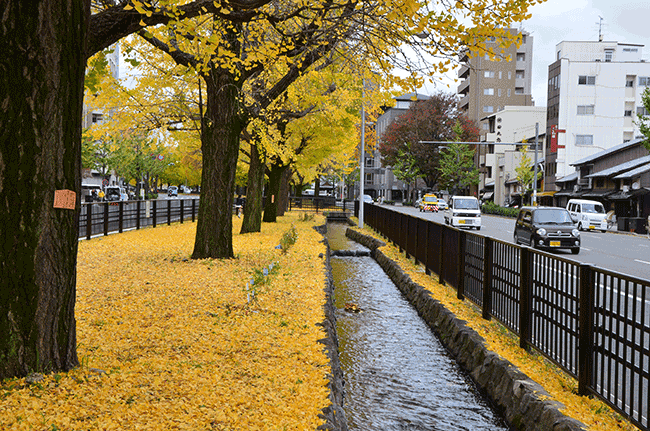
41,111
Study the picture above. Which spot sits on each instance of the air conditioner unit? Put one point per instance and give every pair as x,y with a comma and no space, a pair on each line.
626,189
636,185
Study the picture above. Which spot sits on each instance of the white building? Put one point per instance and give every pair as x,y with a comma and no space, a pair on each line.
594,94
511,125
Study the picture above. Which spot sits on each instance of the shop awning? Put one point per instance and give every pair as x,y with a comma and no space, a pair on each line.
597,193
566,192
488,195
547,193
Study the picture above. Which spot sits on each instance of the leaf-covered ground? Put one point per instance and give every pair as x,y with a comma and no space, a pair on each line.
170,343
592,412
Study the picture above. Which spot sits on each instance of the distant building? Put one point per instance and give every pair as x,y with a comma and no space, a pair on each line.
489,85
379,180
594,94
511,125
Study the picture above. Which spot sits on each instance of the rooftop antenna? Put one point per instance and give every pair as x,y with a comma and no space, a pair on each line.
600,26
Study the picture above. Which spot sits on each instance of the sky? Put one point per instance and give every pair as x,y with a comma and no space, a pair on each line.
579,20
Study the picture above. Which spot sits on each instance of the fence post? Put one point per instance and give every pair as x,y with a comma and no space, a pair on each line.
182,209
460,291
488,259
120,211
155,215
89,220
194,208
169,212
137,217
427,232
525,297
441,248
586,328
105,218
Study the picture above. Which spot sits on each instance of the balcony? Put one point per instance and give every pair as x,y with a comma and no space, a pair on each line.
463,72
464,103
463,87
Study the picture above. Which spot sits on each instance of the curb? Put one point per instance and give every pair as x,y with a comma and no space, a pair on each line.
524,404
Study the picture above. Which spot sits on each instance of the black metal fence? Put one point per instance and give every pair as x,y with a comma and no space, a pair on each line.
591,322
106,217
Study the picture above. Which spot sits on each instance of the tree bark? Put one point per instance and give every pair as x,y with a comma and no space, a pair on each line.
283,196
253,209
222,125
41,79
275,177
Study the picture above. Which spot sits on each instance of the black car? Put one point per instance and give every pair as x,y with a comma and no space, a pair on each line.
547,228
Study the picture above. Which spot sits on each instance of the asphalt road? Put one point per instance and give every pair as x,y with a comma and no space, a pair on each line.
625,253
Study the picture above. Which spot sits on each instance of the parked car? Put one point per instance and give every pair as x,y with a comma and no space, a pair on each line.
172,191
591,215
442,204
91,192
368,199
463,211
547,228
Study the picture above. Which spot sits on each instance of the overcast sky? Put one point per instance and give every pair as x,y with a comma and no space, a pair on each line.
577,20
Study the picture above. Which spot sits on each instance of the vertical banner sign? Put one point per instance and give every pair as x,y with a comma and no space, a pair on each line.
65,199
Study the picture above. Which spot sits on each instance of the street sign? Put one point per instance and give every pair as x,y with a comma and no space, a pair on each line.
105,182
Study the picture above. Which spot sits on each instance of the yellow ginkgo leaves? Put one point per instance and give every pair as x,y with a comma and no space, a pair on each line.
167,342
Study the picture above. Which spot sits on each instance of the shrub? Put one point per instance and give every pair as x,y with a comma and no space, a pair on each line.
492,208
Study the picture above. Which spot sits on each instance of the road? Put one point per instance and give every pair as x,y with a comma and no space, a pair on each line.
621,252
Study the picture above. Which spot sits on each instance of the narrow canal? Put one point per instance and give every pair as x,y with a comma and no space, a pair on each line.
397,375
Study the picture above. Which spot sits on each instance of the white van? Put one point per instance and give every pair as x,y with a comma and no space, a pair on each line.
463,211
590,215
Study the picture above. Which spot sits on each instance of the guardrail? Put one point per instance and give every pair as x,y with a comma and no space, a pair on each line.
593,323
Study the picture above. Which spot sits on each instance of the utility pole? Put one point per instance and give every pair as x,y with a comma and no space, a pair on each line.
535,169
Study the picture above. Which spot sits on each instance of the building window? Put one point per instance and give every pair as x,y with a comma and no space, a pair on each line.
640,110
488,91
584,139
368,179
630,50
644,81
600,183
586,80
491,39
519,90
609,55
509,75
585,109
521,56
628,113
500,74
485,126
98,118
508,92
369,162
488,109
519,74
489,74
629,83
559,55
499,92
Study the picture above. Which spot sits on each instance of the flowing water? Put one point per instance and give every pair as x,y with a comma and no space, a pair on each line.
398,376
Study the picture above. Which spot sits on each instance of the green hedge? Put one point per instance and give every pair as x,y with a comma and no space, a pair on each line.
492,208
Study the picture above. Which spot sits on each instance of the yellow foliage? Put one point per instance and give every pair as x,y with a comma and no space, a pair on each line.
167,342
592,412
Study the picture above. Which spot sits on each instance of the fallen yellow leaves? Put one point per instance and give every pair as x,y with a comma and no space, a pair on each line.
167,342
592,412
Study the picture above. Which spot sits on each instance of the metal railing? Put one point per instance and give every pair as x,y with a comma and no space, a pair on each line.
102,218
593,323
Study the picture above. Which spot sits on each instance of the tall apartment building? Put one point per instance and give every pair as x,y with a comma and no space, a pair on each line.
91,115
594,94
488,85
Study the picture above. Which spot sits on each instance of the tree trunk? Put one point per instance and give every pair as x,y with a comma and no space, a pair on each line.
271,207
253,209
283,196
221,127
41,80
